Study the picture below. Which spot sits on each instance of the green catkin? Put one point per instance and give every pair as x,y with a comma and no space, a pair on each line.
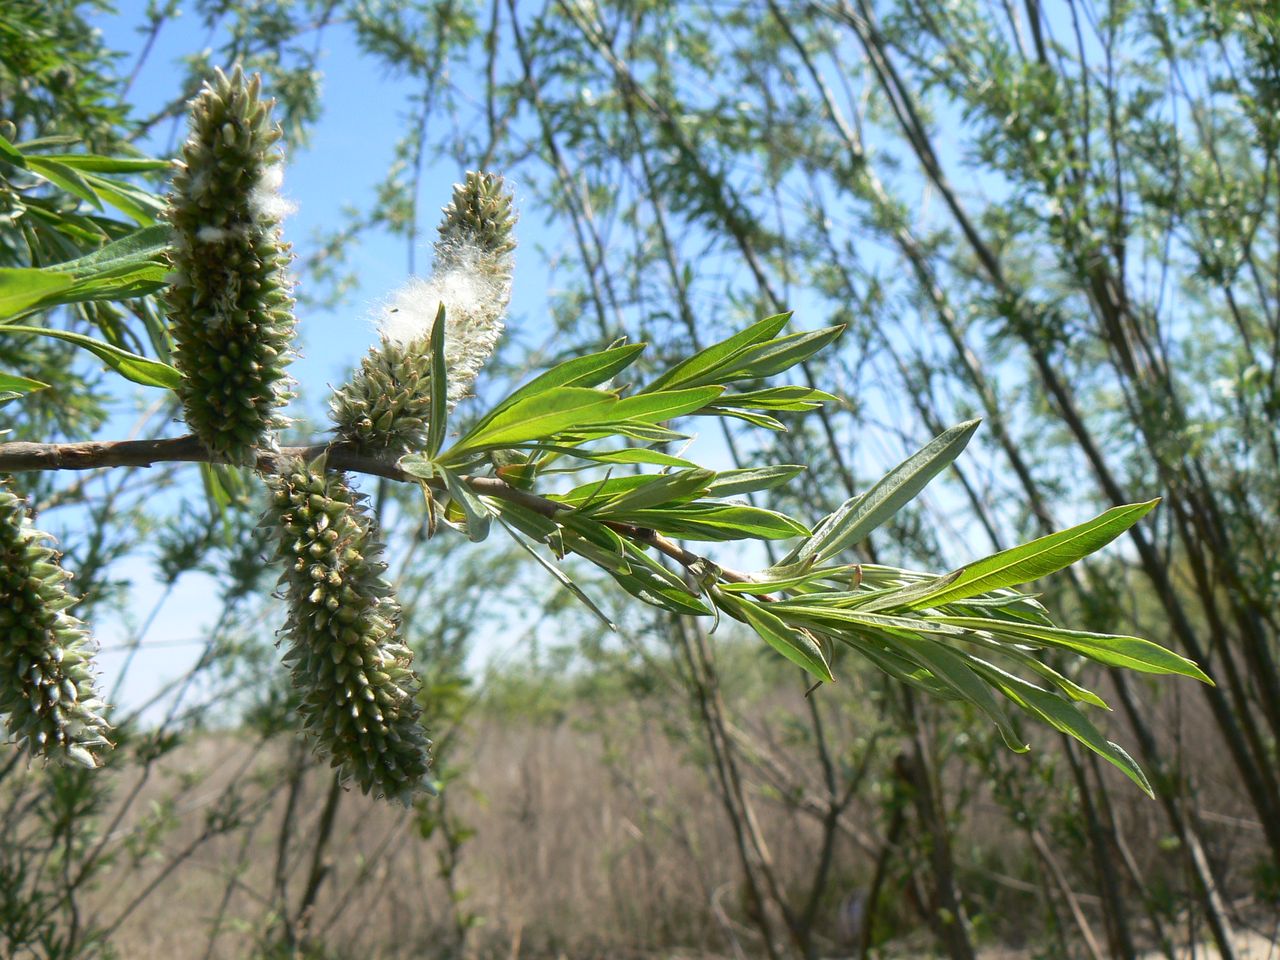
47,692
229,298
479,216
387,405
344,649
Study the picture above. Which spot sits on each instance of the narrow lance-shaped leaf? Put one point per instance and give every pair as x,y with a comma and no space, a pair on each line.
439,386
700,368
953,668
561,577
1132,653
473,508
796,645
737,483
658,490
859,516
1062,716
667,405
773,357
589,371
65,177
1040,557
24,288
149,373
538,417
12,385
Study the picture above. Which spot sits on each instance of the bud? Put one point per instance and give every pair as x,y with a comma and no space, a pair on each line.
47,693
344,649
229,295
387,405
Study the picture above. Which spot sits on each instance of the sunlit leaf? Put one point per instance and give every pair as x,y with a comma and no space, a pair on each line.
1039,557
439,386
1132,653
701,367
859,516
796,645
143,370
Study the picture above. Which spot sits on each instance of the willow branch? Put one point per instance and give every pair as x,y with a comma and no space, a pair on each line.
22,456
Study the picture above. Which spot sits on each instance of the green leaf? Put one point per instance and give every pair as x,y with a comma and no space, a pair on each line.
601,488
1039,557
1132,653
884,657
528,522
1068,686
655,491
65,177
128,267
761,421
473,508
589,371
563,578
12,153
777,398
775,579
633,570
644,432
439,386
898,598
717,522
699,368
52,140
539,417
13,386
628,455
12,383
1063,717
737,483
954,669
145,246
667,405
22,288
143,370
139,205
119,283
796,645
647,580
771,358
99,164
860,515
223,485
804,606
418,465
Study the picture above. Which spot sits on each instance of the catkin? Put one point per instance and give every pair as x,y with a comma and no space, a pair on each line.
387,404
47,690
343,644
229,298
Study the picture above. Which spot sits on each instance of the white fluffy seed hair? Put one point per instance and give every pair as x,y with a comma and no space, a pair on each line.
265,199
266,203
474,291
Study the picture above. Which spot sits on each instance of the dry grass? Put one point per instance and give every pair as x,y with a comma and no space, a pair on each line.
592,839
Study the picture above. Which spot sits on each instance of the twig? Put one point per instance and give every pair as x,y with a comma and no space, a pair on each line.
22,456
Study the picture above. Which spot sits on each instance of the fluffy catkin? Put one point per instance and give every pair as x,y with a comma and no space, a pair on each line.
344,651
229,298
47,693
387,405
